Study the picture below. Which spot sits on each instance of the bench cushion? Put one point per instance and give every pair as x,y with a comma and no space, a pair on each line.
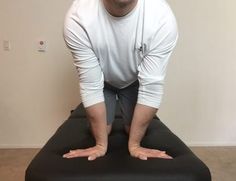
117,164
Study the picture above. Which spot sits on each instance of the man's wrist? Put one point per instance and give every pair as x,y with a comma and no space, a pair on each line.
133,144
102,145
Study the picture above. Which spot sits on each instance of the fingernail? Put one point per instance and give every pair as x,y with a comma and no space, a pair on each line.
144,158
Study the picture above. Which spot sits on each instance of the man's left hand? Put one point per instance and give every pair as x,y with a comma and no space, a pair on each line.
145,153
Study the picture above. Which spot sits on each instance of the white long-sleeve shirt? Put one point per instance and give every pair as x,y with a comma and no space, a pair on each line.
120,50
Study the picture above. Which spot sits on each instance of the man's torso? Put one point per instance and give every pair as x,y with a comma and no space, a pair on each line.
117,41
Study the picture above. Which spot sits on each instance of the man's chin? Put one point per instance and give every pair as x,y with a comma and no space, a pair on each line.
122,3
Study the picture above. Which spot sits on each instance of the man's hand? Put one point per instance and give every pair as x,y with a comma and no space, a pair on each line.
92,153
96,115
141,119
143,153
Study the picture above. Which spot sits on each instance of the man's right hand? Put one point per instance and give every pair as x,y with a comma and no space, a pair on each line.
96,115
92,153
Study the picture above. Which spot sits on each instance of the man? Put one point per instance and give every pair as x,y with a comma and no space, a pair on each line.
121,49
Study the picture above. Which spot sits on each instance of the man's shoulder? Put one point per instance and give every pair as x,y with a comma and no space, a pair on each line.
158,8
83,11
158,13
160,23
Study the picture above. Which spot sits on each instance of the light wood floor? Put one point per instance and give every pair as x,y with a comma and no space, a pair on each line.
220,160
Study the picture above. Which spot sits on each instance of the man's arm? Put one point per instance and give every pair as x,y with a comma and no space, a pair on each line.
141,119
91,83
97,117
152,71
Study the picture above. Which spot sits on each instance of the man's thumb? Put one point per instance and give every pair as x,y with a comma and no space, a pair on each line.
91,157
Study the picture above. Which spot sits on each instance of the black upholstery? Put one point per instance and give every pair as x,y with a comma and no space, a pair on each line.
117,164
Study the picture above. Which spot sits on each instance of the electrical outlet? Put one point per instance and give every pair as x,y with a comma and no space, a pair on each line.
6,45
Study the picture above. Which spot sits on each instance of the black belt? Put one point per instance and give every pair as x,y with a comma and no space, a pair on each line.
115,89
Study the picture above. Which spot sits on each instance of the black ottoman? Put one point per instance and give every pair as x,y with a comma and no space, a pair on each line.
117,164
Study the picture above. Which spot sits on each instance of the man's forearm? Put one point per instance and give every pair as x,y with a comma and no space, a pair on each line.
97,118
141,119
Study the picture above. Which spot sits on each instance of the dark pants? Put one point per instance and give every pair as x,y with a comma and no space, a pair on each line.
127,98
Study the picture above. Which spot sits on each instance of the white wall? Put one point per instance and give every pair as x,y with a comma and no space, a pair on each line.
200,93
38,90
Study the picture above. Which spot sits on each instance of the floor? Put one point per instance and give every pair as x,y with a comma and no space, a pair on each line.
220,160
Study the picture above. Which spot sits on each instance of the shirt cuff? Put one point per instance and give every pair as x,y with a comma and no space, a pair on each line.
154,102
92,99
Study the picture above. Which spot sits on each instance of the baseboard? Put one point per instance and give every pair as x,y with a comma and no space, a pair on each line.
16,146
190,144
210,144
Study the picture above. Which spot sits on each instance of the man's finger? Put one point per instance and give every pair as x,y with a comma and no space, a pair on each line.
157,154
167,156
92,157
160,156
77,154
80,150
155,151
71,152
142,157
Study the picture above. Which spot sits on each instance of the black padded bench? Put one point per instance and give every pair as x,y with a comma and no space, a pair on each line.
117,164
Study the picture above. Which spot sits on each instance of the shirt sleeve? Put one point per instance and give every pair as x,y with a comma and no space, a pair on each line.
152,69
91,78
